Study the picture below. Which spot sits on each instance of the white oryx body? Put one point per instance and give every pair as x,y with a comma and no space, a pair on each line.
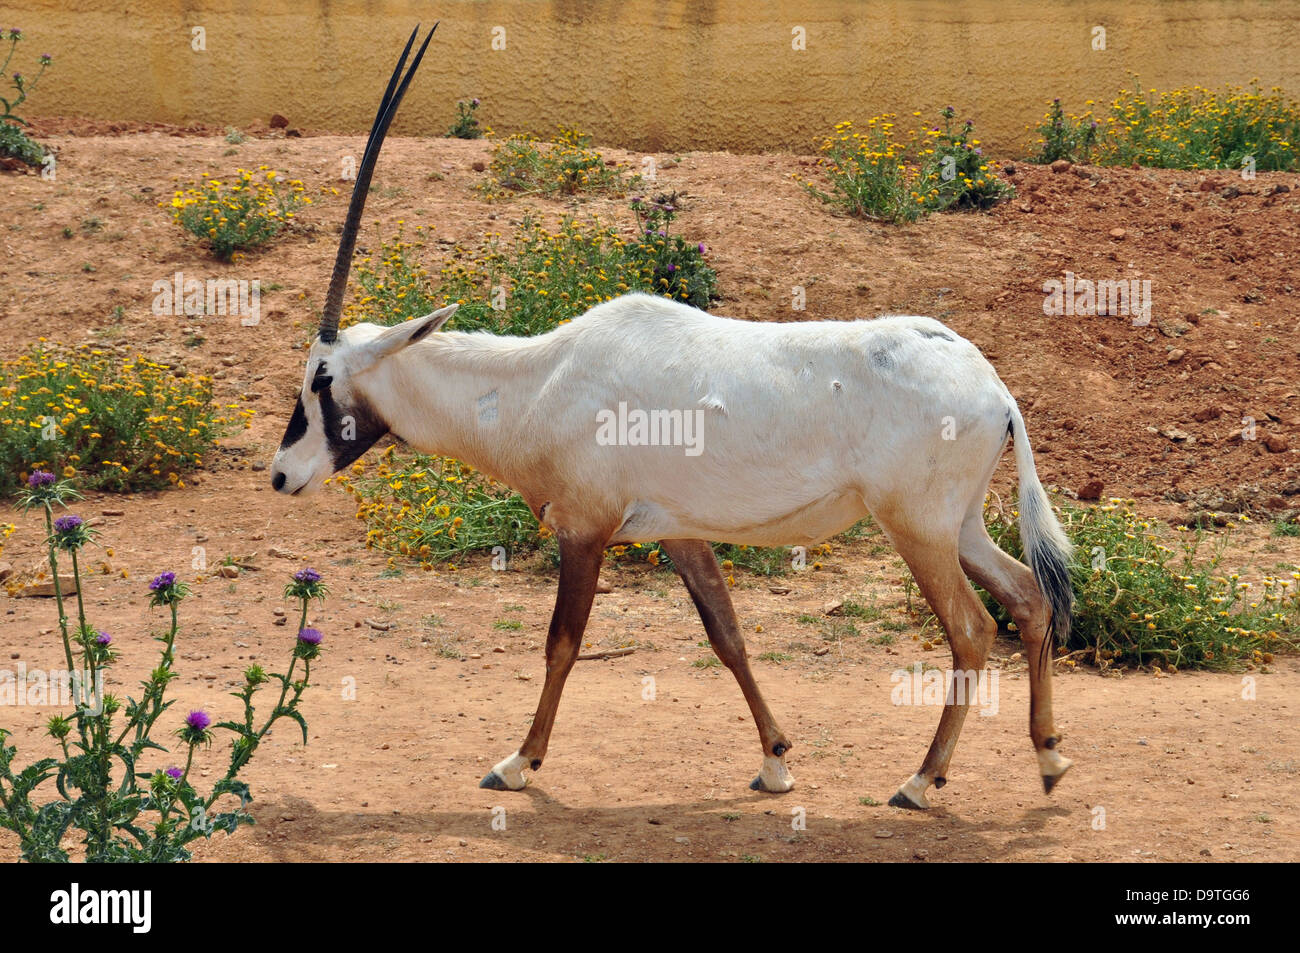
803,427
786,434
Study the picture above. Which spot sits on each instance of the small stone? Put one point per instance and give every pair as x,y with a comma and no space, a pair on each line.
499,649
259,466
379,626
1118,234
603,586
228,572
478,165
834,607
278,122
1090,491
882,835
1276,443
475,655
1061,165
779,590
1206,414
821,651
67,586
1176,355
112,512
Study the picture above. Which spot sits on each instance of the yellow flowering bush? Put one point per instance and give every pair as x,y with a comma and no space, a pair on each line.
245,213
567,165
115,426
1143,602
1186,128
892,174
434,510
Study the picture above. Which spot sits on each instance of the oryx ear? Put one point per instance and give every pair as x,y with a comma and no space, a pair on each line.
399,336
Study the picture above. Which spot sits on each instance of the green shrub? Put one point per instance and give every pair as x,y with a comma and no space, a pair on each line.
116,426
567,165
466,124
1065,137
124,810
1142,602
1186,128
892,175
244,214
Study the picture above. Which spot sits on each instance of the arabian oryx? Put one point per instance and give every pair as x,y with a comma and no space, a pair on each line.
803,428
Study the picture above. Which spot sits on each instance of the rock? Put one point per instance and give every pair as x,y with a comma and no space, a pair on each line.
67,586
279,553
278,613
603,586
1176,355
278,122
1081,172
1174,329
228,572
379,626
779,590
499,649
1206,414
1009,169
1061,165
1118,234
293,133
1175,434
112,512
1276,443
6,570
1090,491
882,835
821,651
1231,192
259,466
834,607
478,165
1209,185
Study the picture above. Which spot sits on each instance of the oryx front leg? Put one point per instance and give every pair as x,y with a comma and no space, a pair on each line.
579,569
699,569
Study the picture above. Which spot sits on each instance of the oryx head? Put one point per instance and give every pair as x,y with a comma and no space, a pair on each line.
333,422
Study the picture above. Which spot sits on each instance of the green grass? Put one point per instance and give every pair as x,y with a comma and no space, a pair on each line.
1150,594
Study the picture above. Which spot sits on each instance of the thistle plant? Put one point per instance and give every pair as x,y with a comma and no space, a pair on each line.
13,141
124,810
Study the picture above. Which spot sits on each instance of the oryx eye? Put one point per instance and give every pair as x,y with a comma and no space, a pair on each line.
319,383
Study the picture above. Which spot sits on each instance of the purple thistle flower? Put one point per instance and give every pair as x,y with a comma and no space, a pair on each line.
162,581
46,58
308,575
103,639
671,268
15,32
702,249
310,637
40,478
18,77
474,101
175,773
66,524
198,720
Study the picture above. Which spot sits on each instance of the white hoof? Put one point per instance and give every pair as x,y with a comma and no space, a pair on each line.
912,794
1052,765
774,777
508,775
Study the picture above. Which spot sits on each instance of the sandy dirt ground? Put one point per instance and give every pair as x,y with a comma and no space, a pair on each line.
1179,767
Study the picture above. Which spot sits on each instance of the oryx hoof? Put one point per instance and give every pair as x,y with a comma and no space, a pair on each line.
912,795
506,776
1053,767
774,777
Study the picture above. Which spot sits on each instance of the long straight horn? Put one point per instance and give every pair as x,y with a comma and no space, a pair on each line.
329,322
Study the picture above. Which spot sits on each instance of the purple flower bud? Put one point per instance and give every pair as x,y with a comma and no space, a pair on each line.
66,524
474,102
104,639
15,32
175,773
307,575
40,478
310,637
702,249
162,581
671,268
198,720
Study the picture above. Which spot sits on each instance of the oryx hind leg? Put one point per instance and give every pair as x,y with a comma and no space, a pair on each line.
970,629
698,566
1011,583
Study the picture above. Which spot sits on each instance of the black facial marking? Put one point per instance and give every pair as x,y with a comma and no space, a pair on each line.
321,379
297,426
363,429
